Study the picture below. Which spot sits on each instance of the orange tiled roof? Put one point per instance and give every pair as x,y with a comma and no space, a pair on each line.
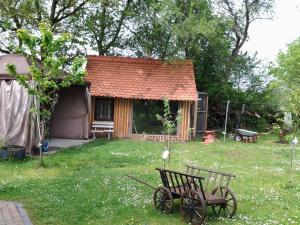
141,78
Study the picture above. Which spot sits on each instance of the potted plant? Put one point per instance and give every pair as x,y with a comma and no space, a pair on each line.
17,152
6,151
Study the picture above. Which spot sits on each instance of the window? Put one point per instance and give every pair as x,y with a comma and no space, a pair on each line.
104,109
144,116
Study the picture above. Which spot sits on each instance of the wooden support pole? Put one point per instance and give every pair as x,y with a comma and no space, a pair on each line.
225,129
195,118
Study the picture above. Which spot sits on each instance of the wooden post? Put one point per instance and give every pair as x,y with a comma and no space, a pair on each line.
195,118
292,159
239,121
206,109
225,129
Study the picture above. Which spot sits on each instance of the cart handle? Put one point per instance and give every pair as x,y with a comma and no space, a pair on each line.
142,182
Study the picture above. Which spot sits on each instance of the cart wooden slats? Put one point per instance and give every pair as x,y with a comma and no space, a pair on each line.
195,192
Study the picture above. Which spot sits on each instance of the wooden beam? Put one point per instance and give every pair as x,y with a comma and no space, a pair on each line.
122,117
195,118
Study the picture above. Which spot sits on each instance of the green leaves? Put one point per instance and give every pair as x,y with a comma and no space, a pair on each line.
29,40
169,123
50,68
287,74
286,86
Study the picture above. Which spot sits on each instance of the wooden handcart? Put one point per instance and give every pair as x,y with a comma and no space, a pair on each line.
245,135
195,193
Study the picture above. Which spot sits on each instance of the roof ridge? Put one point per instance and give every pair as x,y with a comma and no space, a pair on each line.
144,60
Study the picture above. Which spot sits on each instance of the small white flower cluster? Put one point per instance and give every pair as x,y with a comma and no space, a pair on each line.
77,187
270,193
120,154
134,196
278,170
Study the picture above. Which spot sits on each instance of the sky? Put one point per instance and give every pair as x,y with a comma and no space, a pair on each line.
268,37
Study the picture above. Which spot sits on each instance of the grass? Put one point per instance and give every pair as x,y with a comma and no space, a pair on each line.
87,185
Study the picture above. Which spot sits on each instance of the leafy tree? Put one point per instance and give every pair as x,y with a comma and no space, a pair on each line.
169,29
28,14
286,91
212,34
287,80
240,15
49,72
152,31
241,77
14,15
104,24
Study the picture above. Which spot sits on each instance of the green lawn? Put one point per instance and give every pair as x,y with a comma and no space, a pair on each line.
87,185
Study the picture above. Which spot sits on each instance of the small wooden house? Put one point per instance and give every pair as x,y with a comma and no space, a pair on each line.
129,92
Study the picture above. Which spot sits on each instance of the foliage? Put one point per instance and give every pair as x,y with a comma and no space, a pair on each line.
2,142
169,29
151,30
209,32
104,21
239,16
49,71
28,14
212,38
289,137
286,71
285,87
169,123
88,183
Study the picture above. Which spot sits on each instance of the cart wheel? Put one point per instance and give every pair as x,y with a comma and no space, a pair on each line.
163,200
227,209
192,207
238,138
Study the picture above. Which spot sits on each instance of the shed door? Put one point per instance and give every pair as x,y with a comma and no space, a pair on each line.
201,114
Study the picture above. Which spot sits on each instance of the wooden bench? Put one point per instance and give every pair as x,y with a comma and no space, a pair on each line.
102,127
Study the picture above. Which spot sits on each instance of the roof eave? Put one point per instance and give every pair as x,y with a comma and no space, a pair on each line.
145,98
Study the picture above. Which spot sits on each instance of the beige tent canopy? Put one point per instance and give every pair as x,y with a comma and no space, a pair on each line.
18,125
70,117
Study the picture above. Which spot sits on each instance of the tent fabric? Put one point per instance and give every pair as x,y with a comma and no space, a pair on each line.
15,116
89,110
18,125
21,63
70,116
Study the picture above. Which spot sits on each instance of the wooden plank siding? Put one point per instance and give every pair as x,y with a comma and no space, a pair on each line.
92,113
195,118
123,120
122,117
184,128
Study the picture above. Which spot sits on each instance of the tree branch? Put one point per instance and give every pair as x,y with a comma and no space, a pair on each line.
39,10
75,10
241,33
102,30
119,26
2,50
53,10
